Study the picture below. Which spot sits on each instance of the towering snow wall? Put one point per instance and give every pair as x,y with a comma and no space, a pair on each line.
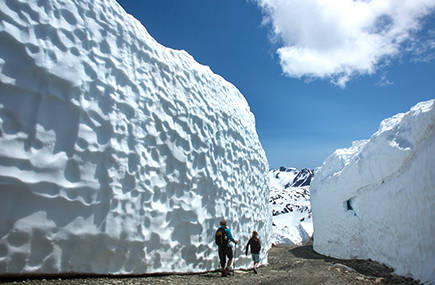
377,199
118,155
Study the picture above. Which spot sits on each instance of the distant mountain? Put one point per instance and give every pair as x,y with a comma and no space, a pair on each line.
302,179
291,208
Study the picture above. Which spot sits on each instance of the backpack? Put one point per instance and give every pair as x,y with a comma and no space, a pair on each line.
221,237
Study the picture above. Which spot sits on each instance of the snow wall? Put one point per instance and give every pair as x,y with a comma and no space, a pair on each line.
376,200
118,155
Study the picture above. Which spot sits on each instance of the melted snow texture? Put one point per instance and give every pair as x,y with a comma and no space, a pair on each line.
118,155
377,199
291,209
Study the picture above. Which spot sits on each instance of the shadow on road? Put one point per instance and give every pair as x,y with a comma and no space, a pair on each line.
364,267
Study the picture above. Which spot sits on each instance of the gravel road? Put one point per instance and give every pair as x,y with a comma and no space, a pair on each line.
287,265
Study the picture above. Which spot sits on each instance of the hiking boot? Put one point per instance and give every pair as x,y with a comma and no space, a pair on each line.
228,271
224,273
255,271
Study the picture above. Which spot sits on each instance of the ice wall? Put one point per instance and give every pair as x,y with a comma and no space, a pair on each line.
377,199
118,155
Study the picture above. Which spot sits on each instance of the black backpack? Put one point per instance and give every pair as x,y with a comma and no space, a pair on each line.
221,237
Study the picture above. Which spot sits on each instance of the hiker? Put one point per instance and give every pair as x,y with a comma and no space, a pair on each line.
223,236
254,242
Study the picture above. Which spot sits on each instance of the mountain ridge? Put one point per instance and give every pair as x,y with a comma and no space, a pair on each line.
291,208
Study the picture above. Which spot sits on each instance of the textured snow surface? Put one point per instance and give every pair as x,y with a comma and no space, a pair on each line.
377,199
291,208
118,155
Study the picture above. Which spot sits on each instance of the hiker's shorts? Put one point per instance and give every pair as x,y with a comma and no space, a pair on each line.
225,251
256,257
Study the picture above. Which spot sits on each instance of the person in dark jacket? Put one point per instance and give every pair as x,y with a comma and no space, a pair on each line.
255,244
226,250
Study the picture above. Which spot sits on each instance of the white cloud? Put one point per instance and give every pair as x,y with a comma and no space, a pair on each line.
338,39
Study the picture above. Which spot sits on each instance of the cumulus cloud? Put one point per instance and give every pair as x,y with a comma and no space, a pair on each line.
339,39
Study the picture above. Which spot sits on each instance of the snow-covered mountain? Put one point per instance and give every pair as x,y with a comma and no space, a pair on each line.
376,199
290,200
118,155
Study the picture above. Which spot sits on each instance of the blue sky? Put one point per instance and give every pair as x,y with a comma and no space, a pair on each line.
316,77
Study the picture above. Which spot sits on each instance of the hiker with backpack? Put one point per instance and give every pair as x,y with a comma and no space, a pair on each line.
223,236
254,242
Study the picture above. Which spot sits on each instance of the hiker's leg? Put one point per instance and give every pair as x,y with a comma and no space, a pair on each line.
222,256
256,259
229,252
230,260
223,260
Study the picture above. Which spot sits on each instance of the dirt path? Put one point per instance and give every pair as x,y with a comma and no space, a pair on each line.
287,265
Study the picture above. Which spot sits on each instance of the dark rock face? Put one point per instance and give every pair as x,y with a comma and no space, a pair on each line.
303,178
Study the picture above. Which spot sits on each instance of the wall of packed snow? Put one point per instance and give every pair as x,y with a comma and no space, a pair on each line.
377,199
118,155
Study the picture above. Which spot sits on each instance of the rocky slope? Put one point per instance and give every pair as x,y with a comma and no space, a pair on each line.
291,208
